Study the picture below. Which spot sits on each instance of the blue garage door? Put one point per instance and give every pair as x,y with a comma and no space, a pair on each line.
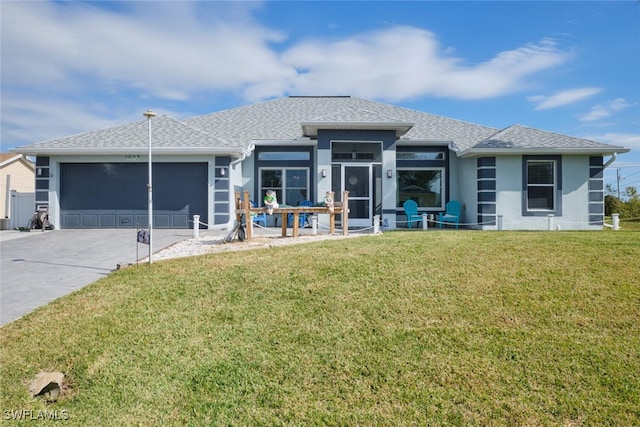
114,195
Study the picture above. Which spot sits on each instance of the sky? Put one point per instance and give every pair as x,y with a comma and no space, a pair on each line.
568,67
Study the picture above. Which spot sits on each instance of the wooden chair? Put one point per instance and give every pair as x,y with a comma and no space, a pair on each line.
451,214
411,210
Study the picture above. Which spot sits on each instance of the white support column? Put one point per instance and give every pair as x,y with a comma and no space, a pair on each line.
615,219
425,221
314,225
376,224
196,226
550,222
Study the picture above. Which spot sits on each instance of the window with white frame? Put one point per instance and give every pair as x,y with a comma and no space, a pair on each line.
542,185
291,185
425,186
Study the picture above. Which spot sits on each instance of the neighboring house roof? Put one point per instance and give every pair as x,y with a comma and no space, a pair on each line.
167,136
236,130
8,158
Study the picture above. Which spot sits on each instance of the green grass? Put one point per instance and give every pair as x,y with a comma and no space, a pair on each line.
425,328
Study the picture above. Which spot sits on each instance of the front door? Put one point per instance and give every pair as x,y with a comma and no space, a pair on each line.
357,180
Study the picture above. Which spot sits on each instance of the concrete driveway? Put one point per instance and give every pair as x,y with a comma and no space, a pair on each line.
38,267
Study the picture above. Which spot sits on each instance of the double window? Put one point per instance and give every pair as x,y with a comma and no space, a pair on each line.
286,171
290,185
542,186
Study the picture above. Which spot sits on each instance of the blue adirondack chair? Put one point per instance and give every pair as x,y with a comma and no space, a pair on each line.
302,217
411,210
258,218
451,214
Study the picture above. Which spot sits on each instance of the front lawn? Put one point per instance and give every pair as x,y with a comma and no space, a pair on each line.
426,328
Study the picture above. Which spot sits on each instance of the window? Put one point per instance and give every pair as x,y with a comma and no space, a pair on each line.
290,185
424,186
540,185
542,188
283,155
420,155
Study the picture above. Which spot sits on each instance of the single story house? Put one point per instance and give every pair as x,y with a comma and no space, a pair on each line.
303,146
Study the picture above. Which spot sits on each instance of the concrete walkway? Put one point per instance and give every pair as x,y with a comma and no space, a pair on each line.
38,267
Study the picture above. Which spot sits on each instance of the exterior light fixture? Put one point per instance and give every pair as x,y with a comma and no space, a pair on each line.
389,173
223,172
149,114
324,173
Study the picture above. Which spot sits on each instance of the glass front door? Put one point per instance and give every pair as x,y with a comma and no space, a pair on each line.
357,180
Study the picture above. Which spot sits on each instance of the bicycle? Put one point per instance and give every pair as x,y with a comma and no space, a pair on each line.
237,231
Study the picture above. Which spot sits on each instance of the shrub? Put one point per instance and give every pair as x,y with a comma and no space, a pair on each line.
612,205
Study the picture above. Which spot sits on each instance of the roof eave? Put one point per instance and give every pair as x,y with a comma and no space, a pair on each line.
301,141
311,128
482,152
34,151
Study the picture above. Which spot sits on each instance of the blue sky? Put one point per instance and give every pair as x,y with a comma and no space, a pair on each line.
568,67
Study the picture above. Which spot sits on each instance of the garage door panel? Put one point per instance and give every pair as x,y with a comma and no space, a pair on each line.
107,221
97,186
71,221
129,221
90,221
177,188
114,195
161,221
180,221
141,220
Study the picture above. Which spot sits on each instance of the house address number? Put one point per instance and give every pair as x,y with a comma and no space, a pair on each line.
132,156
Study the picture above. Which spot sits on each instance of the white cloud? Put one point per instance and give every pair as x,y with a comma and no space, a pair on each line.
32,118
406,62
628,140
58,55
173,51
563,98
164,51
607,109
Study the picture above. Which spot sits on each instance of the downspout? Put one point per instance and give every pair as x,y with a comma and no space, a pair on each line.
453,147
245,153
613,158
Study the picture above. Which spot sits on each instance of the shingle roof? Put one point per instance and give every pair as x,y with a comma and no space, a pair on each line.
523,137
281,119
167,133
